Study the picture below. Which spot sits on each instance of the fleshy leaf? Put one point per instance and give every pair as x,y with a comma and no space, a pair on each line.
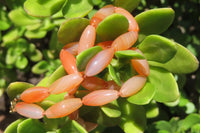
11,56
35,34
60,71
111,109
31,126
21,62
114,76
72,127
43,82
36,55
183,62
12,128
41,8
84,57
40,67
71,30
152,109
133,117
20,18
17,88
129,54
4,25
111,27
129,5
76,8
144,96
158,48
155,21
165,84
126,72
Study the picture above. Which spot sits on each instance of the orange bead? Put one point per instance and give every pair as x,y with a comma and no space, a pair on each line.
105,45
29,110
140,65
111,85
63,108
133,26
132,86
87,39
125,41
68,61
99,62
101,14
93,83
72,48
100,97
66,83
35,94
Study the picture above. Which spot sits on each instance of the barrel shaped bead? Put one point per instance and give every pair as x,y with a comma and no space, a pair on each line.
132,85
35,94
87,39
125,41
105,44
63,108
99,62
29,110
101,14
93,83
100,97
66,83
68,61
133,26
72,48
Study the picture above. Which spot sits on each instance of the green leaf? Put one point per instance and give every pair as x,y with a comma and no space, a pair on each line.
66,32
164,125
111,109
84,57
20,18
165,84
72,127
43,82
21,62
4,25
158,48
43,8
189,121
111,27
35,34
40,67
12,128
195,128
152,109
17,88
76,8
129,54
12,35
60,72
133,117
183,62
129,5
126,72
11,56
144,96
155,21
36,55
31,126
114,75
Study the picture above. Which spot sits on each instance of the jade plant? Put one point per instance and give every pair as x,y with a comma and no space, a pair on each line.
164,57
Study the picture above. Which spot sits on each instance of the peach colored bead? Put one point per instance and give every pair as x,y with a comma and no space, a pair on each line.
87,39
105,45
73,91
74,115
66,83
35,94
63,108
68,61
132,86
72,48
133,26
111,85
100,97
140,65
101,14
125,41
93,83
99,62
29,110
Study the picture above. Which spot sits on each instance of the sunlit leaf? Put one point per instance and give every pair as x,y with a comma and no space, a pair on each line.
12,128
21,62
40,67
129,5
111,109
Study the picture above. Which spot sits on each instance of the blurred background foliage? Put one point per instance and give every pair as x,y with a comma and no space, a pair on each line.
29,51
